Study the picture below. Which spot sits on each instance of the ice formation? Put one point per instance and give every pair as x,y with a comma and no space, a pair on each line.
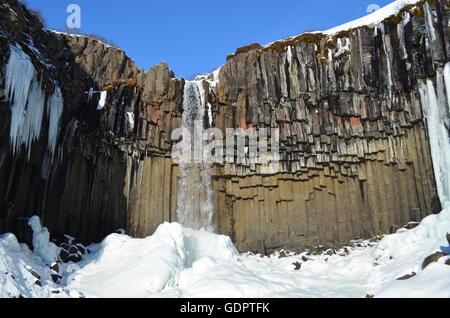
102,102
26,95
435,104
41,241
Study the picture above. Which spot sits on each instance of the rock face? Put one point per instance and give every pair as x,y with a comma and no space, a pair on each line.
355,151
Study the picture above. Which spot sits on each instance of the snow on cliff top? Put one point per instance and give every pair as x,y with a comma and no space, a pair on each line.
371,19
374,18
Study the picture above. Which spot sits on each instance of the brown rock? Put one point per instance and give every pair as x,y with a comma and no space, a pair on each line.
73,250
75,258
408,276
64,255
432,259
55,267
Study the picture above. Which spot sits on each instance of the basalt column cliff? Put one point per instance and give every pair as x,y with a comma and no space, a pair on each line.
85,135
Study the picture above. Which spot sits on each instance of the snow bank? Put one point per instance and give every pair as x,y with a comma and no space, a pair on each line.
125,267
180,262
17,265
433,282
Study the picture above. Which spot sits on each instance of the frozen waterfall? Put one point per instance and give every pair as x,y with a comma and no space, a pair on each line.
435,101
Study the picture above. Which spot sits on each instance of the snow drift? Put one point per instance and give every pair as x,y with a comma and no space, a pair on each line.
179,262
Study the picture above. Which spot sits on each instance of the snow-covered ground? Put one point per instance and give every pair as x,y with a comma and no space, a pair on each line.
178,262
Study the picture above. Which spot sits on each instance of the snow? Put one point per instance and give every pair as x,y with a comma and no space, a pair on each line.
180,262
374,18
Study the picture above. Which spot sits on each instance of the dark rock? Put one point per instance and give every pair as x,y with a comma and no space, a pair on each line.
81,248
73,249
448,238
38,282
56,278
432,259
55,267
408,276
447,262
282,254
393,229
36,275
64,256
412,225
298,266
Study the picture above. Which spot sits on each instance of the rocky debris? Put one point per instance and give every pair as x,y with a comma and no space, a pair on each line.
408,276
432,259
71,251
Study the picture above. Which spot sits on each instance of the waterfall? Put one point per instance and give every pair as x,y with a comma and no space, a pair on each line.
195,195
435,103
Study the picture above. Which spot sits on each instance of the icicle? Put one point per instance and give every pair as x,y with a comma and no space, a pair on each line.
31,129
401,35
27,99
54,111
388,59
19,75
429,21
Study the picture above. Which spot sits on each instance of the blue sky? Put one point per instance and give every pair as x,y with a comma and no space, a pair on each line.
194,37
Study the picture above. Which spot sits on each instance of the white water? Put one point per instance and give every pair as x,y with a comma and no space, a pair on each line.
26,95
195,194
435,104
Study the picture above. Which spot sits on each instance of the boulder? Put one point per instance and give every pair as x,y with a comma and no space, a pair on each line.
432,259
